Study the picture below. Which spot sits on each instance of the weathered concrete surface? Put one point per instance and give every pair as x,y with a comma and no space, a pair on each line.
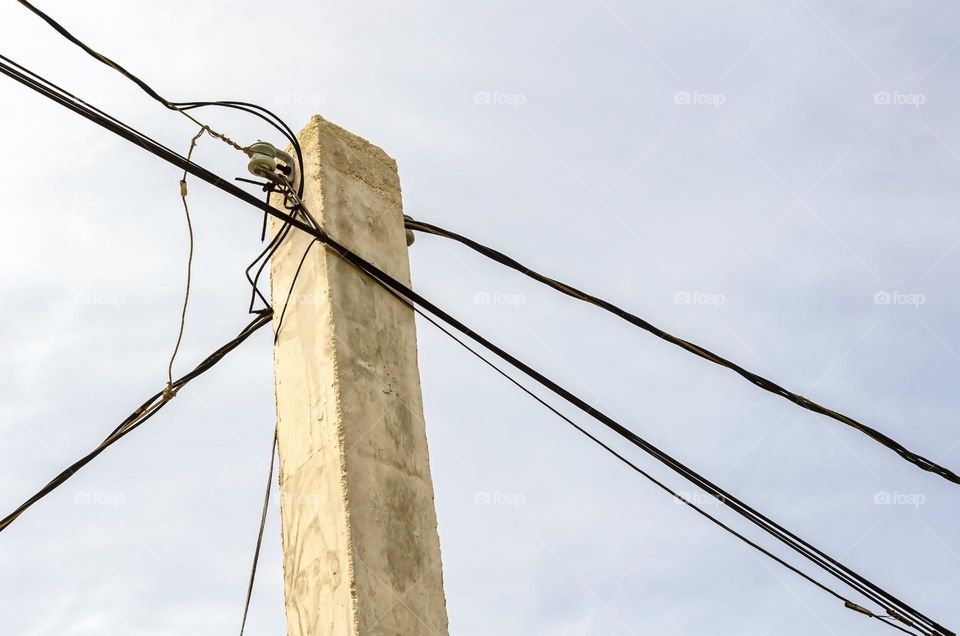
361,550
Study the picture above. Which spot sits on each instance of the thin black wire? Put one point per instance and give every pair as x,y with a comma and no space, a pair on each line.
892,624
65,98
293,282
623,459
102,58
50,85
181,107
838,570
277,123
128,426
266,188
824,561
151,146
264,114
266,499
144,412
847,602
267,254
171,389
843,573
890,603
263,525
758,380
263,258
59,28
258,111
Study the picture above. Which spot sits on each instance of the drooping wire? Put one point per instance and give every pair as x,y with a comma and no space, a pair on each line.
141,414
293,282
276,122
261,261
65,98
893,606
186,293
706,354
266,500
171,388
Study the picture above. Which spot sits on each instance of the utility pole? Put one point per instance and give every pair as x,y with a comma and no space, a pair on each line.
360,543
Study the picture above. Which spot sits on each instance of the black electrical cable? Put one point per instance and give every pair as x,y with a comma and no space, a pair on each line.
266,255
254,109
649,477
54,87
152,147
182,107
843,573
266,188
67,99
59,28
263,258
263,525
258,111
890,603
143,413
50,90
296,275
102,58
854,580
263,114
758,380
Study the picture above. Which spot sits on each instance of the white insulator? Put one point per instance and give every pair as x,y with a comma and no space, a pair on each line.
263,148
261,165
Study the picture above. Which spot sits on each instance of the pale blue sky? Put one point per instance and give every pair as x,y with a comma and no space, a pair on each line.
780,164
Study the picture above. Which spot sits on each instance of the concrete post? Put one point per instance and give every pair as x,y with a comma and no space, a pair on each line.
361,550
